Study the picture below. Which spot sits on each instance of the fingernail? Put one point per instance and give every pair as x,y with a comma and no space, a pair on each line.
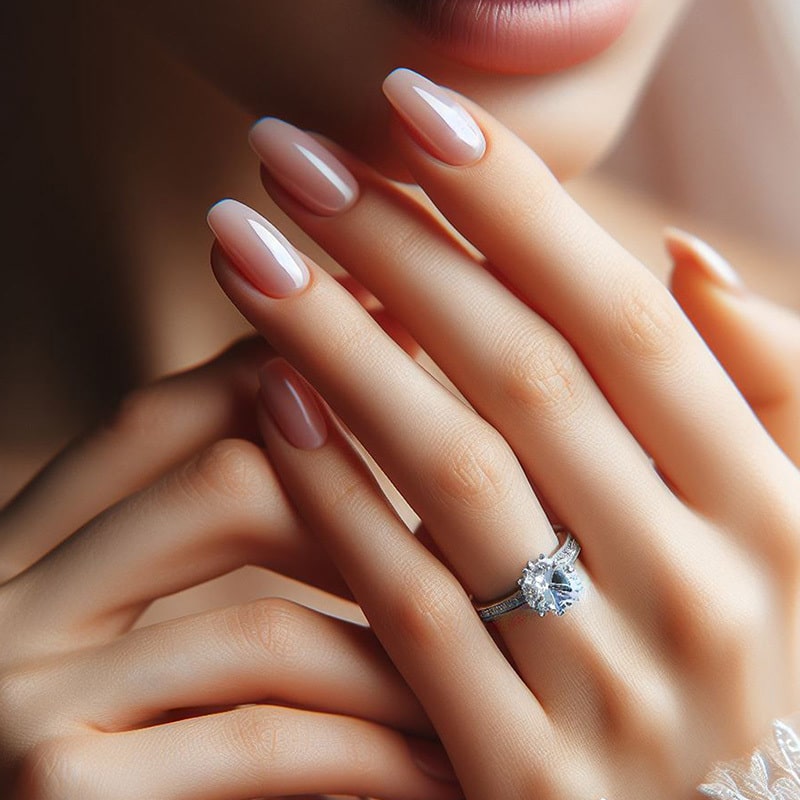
686,248
258,249
303,167
289,401
441,124
432,760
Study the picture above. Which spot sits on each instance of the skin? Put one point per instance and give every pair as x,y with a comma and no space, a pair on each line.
654,674
570,118
174,491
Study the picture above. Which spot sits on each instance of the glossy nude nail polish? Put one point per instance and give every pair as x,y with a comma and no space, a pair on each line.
438,122
689,249
303,167
292,405
258,250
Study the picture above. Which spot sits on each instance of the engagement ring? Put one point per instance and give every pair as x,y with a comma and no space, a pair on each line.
548,585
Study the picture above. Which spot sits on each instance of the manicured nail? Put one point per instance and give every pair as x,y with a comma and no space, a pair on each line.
303,167
432,760
258,249
441,124
686,248
290,402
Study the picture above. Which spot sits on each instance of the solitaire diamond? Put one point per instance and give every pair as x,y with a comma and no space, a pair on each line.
548,585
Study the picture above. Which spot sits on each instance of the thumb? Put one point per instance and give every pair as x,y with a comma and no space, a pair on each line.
755,340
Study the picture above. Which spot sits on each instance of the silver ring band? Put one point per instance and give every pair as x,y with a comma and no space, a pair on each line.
548,585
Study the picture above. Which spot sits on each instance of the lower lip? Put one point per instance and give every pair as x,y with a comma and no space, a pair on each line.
519,36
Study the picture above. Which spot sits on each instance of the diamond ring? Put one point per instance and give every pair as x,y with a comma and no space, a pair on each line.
548,585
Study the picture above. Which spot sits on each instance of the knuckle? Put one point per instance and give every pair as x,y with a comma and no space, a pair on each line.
233,470
266,628
717,629
542,373
474,467
55,769
430,609
260,736
647,322
353,338
348,494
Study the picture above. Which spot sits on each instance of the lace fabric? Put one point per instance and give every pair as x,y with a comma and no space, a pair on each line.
771,773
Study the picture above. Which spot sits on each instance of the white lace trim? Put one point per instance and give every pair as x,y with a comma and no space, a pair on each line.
771,773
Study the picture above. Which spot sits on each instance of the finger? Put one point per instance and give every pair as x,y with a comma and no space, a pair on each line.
266,651
154,429
418,611
592,665
222,510
454,469
641,350
512,366
756,341
258,751
398,333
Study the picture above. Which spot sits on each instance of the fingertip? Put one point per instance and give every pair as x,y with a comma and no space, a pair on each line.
690,252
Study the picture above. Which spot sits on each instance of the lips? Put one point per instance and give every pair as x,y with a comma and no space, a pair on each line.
518,36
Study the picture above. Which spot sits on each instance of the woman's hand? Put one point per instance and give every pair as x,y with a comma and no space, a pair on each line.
587,388
266,698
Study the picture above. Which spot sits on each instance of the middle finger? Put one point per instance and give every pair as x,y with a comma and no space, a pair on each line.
515,368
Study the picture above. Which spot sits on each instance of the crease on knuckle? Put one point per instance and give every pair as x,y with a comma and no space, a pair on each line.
267,629
349,494
431,609
353,337
542,373
233,471
260,737
646,321
474,467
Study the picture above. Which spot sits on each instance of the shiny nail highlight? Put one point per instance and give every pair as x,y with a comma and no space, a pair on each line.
303,167
258,250
687,248
440,124
292,405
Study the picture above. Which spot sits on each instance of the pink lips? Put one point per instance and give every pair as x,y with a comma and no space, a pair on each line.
519,36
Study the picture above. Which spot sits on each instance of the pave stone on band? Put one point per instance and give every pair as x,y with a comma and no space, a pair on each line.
548,585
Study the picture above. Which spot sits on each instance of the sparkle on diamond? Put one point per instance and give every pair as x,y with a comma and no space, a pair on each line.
547,586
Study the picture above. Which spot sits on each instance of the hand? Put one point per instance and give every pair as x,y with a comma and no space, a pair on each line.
579,367
757,341
162,499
